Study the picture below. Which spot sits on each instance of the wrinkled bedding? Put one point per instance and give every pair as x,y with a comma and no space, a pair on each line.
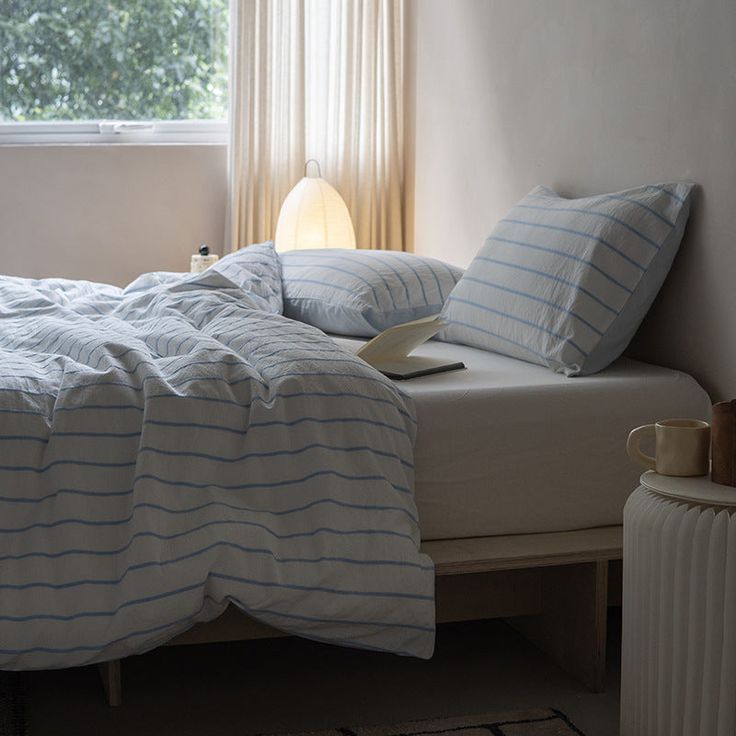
177,445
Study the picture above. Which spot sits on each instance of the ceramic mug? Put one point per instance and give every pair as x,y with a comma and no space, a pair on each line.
682,447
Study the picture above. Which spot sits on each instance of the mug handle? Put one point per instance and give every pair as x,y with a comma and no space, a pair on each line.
633,449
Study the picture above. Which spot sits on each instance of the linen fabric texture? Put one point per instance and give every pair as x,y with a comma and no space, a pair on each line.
362,292
255,272
179,445
565,283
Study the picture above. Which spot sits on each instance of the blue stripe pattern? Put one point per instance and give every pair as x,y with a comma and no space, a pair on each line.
180,443
213,606
566,282
362,292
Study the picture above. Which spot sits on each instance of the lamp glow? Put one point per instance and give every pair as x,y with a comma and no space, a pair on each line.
314,215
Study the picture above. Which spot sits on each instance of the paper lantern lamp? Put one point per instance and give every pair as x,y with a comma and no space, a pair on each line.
314,215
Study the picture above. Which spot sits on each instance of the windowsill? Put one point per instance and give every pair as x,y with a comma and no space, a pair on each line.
93,133
112,144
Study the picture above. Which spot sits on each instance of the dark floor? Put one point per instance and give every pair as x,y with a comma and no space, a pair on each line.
294,685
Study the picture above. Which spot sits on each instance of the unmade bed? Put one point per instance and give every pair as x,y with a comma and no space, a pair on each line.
180,446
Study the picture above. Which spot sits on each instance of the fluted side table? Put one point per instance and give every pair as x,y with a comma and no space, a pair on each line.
678,674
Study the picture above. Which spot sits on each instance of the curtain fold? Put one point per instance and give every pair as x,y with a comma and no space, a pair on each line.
317,79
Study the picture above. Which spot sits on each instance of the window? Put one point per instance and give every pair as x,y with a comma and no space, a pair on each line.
112,69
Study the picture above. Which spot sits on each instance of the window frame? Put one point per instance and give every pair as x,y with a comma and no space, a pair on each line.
114,132
107,131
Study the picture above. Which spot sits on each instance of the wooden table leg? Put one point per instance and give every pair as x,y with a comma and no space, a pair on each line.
111,681
572,626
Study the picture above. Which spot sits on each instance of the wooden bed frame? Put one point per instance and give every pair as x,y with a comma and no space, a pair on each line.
553,588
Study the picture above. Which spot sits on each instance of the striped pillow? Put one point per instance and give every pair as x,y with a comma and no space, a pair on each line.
362,292
566,282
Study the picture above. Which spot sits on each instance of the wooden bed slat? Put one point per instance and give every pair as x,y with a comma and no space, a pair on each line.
486,554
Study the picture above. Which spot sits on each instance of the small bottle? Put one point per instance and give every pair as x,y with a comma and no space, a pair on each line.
202,260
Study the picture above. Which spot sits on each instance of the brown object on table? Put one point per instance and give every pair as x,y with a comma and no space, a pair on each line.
723,443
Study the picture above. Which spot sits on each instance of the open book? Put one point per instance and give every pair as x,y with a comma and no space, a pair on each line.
389,351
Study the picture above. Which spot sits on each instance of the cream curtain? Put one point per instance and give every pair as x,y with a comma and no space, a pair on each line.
317,79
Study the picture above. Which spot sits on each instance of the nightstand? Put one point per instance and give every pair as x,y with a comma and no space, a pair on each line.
678,671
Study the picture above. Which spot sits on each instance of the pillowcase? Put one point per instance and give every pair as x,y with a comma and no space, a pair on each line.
566,282
362,292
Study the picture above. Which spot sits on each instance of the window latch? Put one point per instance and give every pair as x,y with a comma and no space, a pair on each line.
117,128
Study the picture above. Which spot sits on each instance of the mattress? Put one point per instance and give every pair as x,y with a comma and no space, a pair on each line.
507,447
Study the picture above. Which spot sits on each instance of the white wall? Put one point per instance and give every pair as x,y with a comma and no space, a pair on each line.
587,97
109,213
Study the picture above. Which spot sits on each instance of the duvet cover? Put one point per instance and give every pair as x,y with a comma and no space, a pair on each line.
177,445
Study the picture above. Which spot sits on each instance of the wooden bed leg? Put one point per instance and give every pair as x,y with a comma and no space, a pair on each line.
572,626
111,681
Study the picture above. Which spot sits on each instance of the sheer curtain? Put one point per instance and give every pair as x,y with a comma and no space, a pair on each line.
317,79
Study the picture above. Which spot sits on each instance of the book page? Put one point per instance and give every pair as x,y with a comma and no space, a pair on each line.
397,342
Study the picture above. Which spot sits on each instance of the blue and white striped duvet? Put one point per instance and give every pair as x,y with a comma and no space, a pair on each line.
177,445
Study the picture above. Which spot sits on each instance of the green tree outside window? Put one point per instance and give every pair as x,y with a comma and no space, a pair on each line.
113,59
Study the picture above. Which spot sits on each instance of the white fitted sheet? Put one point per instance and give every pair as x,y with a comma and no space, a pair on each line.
507,447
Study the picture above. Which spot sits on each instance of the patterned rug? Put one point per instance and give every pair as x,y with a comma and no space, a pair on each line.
12,715
538,722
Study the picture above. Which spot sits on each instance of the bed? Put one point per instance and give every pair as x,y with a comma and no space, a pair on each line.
514,530
181,464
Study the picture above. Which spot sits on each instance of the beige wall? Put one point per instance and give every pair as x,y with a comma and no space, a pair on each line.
109,213
587,97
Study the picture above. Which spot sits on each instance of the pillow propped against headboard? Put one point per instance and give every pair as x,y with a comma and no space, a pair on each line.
566,282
